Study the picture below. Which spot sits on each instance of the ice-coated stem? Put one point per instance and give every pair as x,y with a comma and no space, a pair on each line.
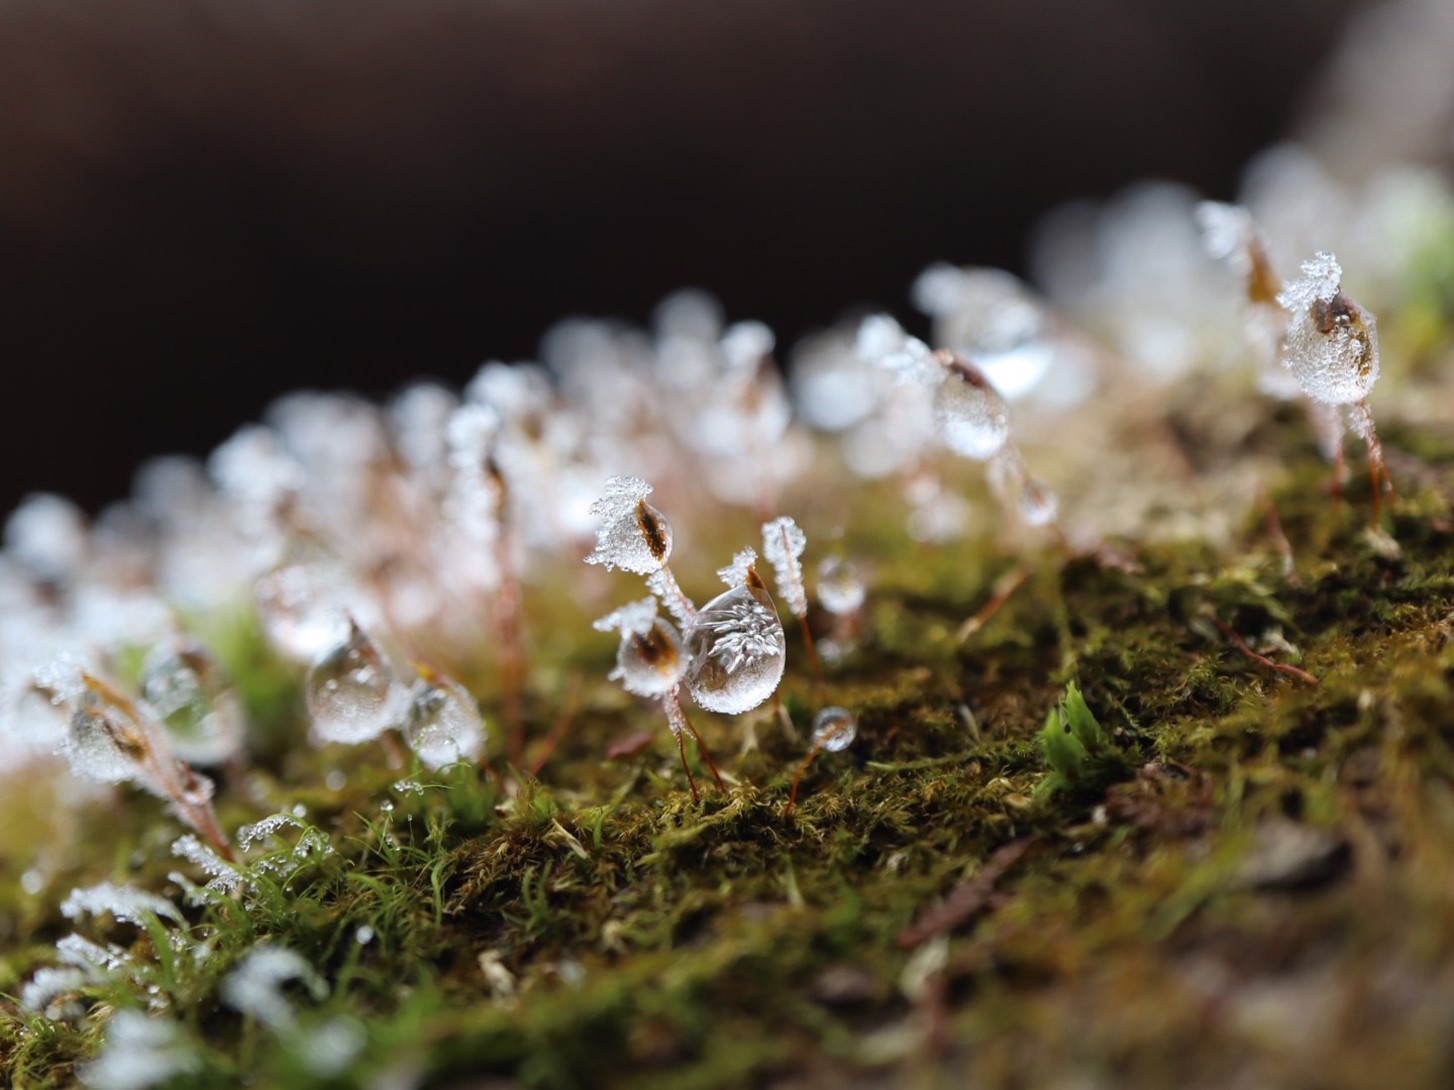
678,604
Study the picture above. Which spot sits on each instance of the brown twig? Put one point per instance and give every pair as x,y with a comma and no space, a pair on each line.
1004,587
1263,660
1278,534
968,899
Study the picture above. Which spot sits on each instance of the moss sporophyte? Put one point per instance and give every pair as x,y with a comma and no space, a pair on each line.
1156,736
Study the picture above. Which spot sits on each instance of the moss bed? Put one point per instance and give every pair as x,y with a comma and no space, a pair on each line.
1251,882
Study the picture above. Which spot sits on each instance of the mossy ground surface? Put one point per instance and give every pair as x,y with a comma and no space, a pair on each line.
1256,887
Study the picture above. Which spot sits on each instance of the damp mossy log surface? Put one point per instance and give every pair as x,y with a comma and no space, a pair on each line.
1255,885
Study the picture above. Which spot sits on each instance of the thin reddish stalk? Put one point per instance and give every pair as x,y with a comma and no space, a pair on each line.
793,794
1003,589
1263,660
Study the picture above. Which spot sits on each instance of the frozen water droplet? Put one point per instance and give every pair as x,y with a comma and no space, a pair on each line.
363,935
1331,344
32,881
633,535
351,692
202,716
840,590
444,724
1039,506
971,417
303,603
335,780
735,651
834,729
990,317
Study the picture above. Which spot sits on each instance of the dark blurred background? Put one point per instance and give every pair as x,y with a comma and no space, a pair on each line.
204,203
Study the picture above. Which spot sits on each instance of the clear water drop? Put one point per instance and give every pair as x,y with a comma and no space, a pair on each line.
202,715
834,729
303,604
444,725
840,589
1039,505
735,651
352,693
972,418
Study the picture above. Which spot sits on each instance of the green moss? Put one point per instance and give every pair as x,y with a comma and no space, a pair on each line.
594,926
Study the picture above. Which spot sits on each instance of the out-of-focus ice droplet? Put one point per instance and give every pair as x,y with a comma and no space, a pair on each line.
202,715
303,602
351,691
444,725
840,590
972,418
834,729
990,317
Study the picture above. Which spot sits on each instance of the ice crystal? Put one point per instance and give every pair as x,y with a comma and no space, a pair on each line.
139,1052
634,618
82,953
783,545
736,651
255,987
882,341
222,875
310,845
352,693
47,985
444,724
834,729
125,903
1331,344
633,535
736,573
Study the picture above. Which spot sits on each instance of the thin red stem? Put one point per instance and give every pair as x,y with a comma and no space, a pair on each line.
1263,660
1003,589
793,794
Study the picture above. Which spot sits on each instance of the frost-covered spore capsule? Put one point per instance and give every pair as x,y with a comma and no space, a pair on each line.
444,724
1331,345
351,691
650,659
736,651
972,419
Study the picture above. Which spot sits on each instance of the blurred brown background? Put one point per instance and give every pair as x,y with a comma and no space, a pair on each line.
204,203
